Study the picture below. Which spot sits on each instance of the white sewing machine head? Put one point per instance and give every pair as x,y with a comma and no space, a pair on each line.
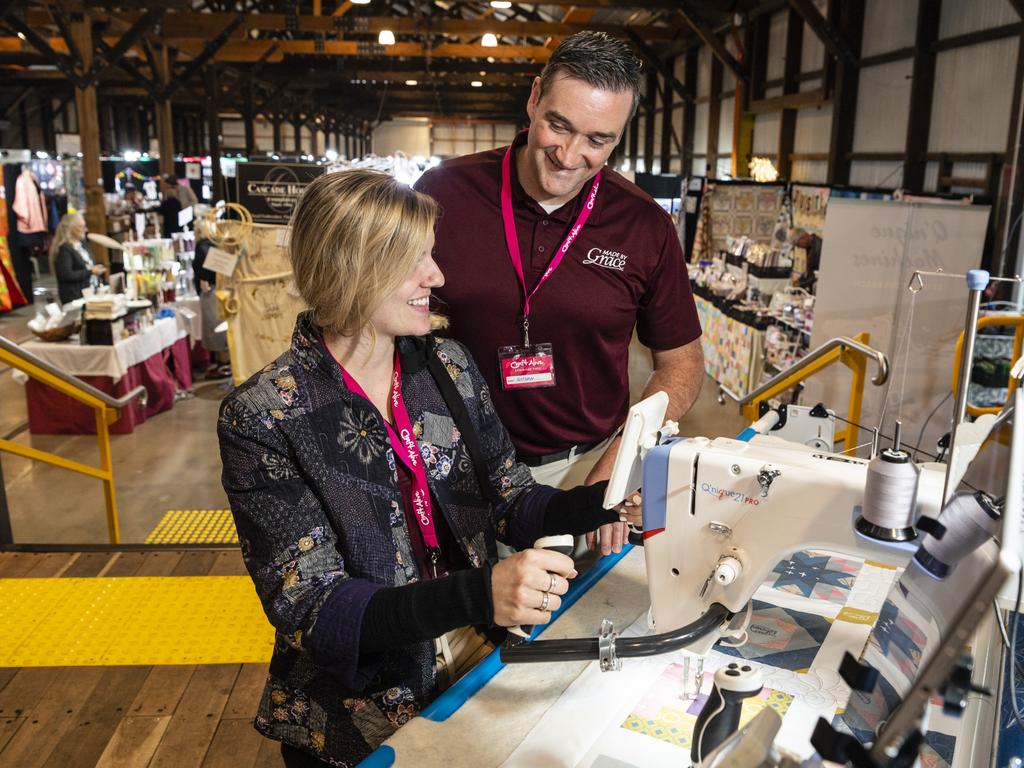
720,514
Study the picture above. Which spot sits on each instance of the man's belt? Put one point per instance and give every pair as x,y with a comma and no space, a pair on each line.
568,453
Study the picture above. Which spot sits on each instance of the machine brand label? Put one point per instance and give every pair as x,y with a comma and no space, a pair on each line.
725,493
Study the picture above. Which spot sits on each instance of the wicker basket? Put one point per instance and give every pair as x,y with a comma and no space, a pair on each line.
58,334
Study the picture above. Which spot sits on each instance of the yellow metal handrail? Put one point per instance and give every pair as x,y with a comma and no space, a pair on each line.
1018,345
851,352
106,408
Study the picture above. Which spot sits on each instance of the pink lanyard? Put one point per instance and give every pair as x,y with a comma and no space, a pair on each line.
512,238
403,443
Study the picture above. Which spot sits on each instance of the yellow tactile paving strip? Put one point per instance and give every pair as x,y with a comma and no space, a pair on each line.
132,621
195,526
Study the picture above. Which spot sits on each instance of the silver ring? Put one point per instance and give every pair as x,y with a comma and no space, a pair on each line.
544,602
551,587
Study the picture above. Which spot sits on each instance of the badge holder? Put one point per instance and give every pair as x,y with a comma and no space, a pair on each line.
526,365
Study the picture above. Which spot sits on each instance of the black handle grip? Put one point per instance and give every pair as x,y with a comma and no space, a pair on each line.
719,719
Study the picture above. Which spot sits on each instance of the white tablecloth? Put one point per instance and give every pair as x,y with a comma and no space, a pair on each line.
194,324
113,361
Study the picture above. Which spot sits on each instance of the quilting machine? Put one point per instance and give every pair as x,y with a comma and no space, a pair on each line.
720,514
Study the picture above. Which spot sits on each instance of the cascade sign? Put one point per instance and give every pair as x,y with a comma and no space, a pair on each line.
270,190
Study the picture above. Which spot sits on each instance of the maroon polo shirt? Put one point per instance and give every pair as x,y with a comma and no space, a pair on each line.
625,270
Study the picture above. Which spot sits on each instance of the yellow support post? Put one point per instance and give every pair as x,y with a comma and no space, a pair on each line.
104,418
857,363
853,359
107,465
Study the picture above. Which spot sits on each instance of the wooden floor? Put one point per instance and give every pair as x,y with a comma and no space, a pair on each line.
171,717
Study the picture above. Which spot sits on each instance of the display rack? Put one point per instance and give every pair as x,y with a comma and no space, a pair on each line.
148,266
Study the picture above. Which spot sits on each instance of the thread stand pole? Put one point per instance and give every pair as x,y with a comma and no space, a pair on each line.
977,281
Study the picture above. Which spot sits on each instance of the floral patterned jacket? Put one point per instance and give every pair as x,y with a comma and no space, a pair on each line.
313,488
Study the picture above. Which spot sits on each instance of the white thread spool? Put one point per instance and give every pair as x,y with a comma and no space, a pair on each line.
890,495
970,519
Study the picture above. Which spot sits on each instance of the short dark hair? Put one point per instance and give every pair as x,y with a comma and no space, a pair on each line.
170,178
597,59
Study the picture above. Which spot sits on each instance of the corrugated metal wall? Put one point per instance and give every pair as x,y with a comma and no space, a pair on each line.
700,137
813,129
972,97
971,103
766,133
962,16
888,25
776,45
883,108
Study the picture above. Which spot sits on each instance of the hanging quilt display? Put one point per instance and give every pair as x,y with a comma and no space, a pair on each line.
743,210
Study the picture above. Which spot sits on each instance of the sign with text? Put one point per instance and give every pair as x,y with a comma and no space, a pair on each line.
221,261
270,190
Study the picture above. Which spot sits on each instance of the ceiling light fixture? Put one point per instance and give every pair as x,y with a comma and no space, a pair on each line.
489,40
360,2
21,35
412,82
386,37
477,84
501,4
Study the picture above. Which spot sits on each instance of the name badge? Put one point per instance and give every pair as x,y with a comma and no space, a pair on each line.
527,366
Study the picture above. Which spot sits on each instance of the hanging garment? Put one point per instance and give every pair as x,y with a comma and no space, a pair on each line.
263,304
29,205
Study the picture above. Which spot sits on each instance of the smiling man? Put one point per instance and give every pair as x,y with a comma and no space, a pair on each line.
551,260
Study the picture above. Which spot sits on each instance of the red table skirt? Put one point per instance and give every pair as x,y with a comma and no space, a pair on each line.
53,413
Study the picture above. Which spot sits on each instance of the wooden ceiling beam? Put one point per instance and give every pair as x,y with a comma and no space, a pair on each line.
131,69
644,5
253,50
711,39
205,54
460,79
825,31
664,69
127,41
55,49
205,25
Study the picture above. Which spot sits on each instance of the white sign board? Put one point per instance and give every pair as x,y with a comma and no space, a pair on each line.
185,216
870,250
68,143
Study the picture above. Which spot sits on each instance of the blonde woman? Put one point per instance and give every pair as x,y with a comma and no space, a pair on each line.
369,478
71,260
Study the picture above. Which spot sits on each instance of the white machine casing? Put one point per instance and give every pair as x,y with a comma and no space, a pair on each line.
715,533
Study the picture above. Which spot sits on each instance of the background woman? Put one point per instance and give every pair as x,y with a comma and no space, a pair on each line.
71,260
215,342
369,478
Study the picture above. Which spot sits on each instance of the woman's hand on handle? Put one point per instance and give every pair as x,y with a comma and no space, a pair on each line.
519,584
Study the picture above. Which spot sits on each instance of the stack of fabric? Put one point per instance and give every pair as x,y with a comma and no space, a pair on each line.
109,306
